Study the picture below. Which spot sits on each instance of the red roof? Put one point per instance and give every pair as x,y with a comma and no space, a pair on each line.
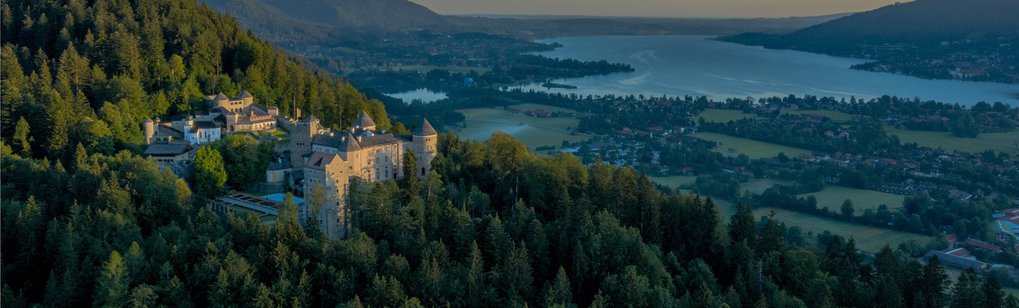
982,245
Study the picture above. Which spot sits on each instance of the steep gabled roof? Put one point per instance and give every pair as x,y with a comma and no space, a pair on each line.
332,141
363,120
425,129
319,160
351,144
244,94
220,97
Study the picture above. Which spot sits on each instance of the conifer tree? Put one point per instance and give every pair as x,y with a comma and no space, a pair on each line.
111,285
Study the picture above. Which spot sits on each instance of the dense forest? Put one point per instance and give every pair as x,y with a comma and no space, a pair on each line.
89,72
86,221
493,225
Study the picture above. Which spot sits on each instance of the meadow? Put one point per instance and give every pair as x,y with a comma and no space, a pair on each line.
832,196
480,123
752,148
999,142
758,186
868,238
725,115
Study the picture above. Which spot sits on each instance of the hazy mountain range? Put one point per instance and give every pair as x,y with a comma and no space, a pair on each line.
310,21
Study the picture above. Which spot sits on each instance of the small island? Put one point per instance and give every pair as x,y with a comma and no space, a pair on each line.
552,85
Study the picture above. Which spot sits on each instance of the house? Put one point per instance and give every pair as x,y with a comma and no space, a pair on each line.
958,258
978,244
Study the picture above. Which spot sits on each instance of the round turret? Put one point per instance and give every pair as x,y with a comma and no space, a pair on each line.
150,130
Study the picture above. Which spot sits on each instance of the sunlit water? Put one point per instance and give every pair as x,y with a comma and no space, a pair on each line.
423,95
697,65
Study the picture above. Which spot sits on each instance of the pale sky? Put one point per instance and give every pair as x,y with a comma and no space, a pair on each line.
658,8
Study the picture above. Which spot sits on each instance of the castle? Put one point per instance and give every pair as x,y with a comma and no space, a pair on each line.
225,115
314,155
331,159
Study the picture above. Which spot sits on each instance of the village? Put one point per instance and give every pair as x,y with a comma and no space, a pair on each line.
309,156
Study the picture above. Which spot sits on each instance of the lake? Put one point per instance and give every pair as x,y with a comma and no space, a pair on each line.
423,95
698,65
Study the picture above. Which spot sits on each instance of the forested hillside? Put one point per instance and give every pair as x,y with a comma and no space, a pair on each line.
925,38
90,73
86,223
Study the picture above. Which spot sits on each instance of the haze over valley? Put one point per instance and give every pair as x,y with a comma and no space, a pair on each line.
485,153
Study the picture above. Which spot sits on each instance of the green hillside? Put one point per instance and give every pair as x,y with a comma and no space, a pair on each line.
90,73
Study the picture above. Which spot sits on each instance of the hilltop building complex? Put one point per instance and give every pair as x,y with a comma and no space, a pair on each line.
313,156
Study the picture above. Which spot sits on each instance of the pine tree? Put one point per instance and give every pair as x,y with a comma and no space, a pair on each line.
741,225
992,294
22,139
558,292
112,284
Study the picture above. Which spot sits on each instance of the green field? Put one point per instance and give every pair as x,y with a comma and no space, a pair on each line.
999,142
753,148
832,197
837,116
534,132
725,115
674,181
868,238
758,186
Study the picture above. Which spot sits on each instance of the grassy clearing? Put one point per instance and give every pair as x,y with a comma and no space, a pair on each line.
725,115
753,148
868,238
999,142
674,181
758,186
534,132
451,69
832,197
837,116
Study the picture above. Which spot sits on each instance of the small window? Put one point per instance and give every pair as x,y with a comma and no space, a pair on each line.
422,171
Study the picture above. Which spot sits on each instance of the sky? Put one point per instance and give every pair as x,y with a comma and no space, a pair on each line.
656,8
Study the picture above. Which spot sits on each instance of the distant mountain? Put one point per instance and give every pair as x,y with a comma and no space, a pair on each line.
948,35
319,19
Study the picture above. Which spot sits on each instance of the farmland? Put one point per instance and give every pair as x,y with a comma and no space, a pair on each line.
999,142
867,238
833,196
758,186
480,123
754,149
724,115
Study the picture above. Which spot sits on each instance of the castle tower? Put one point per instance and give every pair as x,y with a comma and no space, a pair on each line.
328,171
364,122
426,141
221,101
246,98
150,130
301,138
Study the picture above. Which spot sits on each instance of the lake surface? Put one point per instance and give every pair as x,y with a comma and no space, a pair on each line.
697,65
423,95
